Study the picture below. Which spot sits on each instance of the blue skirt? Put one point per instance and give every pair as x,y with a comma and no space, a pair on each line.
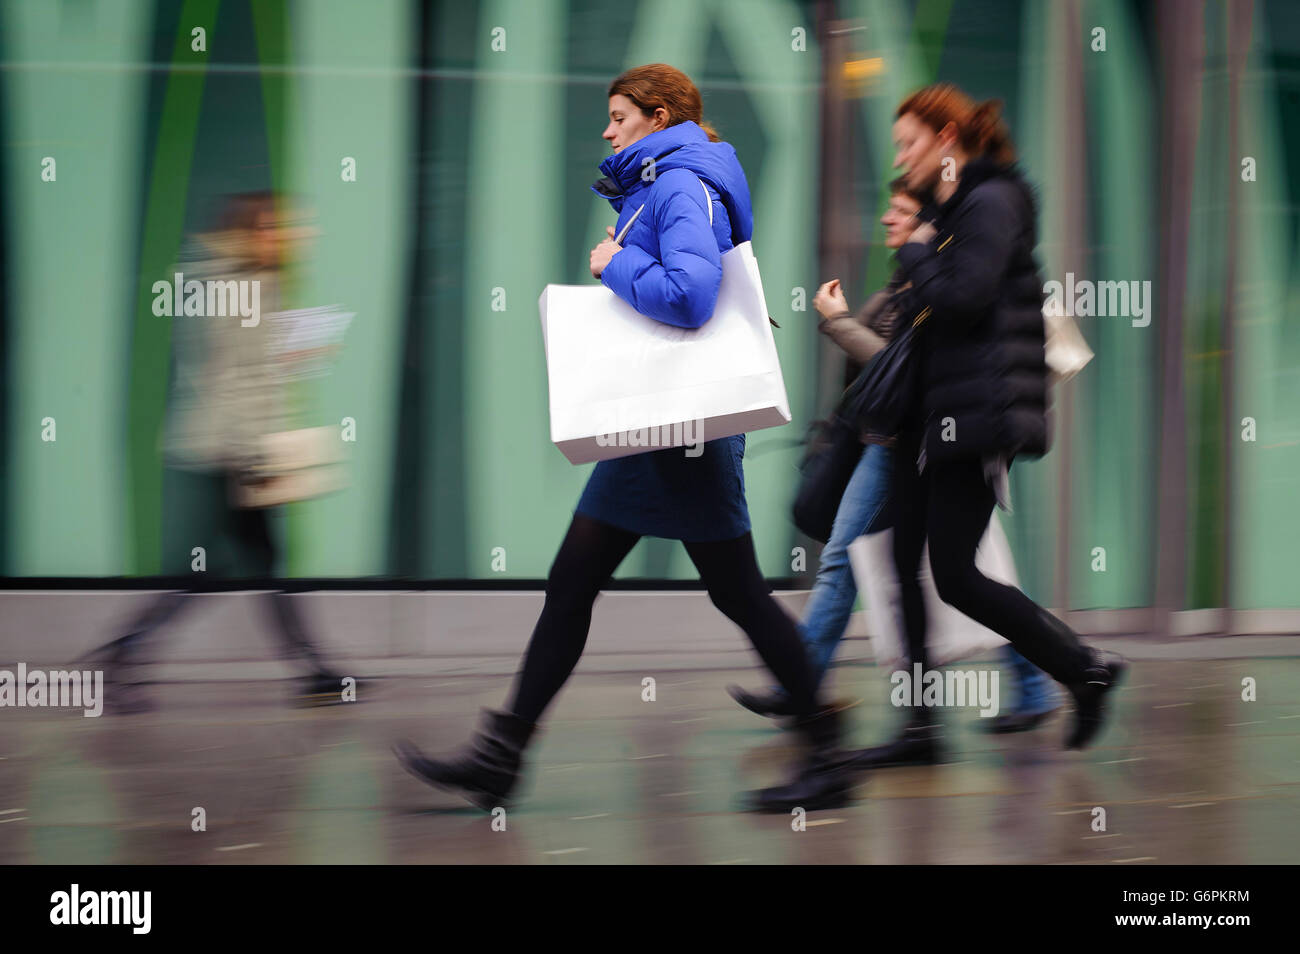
665,493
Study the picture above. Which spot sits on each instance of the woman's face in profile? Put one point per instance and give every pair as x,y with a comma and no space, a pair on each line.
627,123
919,152
899,220
279,236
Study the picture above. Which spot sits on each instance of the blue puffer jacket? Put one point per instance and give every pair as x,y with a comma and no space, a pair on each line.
670,268
670,264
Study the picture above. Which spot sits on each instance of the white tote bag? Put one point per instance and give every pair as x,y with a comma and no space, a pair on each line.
950,635
621,383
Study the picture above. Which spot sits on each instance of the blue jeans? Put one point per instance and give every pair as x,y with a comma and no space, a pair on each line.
826,616
1037,693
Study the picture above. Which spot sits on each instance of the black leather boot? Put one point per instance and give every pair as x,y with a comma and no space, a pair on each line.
486,771
1090,696
920,743
823,781
765,703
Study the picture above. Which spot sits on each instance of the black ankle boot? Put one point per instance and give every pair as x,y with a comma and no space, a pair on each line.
486,771
823,781
1090,696
920,743
765,703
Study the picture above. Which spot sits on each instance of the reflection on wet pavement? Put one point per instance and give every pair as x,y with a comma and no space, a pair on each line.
1187,773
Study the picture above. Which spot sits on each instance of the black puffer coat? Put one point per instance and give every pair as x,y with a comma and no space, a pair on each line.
984,378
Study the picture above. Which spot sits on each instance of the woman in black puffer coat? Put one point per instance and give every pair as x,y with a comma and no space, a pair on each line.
977,294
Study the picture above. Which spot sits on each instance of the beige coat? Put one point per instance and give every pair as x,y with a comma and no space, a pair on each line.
863,335
854,332
224,394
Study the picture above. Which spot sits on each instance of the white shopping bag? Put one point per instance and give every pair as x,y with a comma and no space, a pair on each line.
622,383
1067,352
950,635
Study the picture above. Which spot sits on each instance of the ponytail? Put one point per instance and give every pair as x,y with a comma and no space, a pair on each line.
980,128
989,135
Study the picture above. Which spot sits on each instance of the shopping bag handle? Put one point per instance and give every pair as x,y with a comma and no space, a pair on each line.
618,239
708,200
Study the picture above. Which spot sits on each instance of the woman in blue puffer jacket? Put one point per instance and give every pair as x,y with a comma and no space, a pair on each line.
686,199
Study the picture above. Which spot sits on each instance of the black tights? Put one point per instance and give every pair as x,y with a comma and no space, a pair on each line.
588,557
251,530
950,504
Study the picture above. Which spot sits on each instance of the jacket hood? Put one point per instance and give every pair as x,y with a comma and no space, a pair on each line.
682,146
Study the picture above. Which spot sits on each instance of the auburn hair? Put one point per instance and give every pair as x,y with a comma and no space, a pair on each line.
240,212
660,85
980,128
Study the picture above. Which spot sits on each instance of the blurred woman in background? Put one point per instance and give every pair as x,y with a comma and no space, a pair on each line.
226,398
863,509
978,297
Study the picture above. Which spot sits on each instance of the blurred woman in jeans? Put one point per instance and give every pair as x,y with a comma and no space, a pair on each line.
861,336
